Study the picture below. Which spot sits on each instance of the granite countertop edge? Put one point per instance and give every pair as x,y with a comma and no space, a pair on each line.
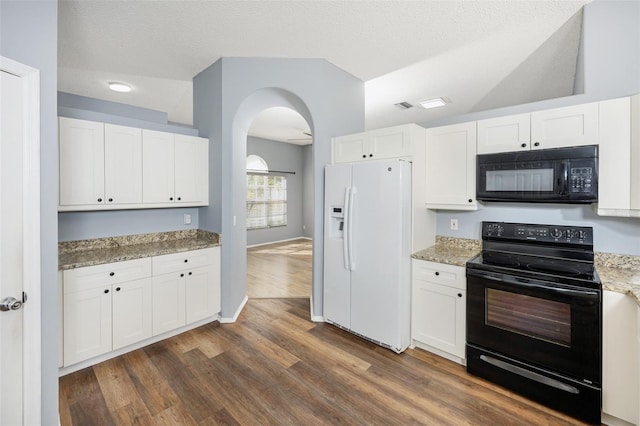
457,251
104,255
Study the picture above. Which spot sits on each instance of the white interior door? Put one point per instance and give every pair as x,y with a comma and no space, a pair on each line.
19,244
11,351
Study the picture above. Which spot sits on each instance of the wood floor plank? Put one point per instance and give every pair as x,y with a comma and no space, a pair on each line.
117,388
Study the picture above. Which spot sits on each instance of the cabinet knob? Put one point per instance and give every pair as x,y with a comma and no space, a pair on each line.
470,200
106,291
437,273
190,273
110,199
536,144
179,198
111,274
117,288
459,294
524,145
370,155
181,275
186,260
99,200
170,198
364,155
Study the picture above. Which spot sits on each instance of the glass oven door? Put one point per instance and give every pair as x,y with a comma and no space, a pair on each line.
554,326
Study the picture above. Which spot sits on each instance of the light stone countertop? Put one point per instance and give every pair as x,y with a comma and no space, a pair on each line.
619,273
77,254
451,251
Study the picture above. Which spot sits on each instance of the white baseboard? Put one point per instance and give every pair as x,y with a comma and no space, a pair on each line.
279,241
441,353
316,318
610,420
224,320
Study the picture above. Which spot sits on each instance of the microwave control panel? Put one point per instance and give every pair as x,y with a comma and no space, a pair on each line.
581,179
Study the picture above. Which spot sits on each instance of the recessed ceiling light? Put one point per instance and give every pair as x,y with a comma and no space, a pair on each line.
119,87
433,103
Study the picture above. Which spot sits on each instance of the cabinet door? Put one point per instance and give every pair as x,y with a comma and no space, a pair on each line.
439,314
191,169
392,142
614,168
620,392
562,127
168,302
199,294
350,148
87,324
451,167
81,146
503,134
131,312
157,167
122,164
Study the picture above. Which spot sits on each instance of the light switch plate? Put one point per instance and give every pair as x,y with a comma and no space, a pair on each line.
454,224
187,219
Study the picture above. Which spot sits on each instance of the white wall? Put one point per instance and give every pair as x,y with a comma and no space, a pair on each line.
227,96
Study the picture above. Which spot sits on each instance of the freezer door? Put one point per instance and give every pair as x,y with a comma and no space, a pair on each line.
380,283
337,296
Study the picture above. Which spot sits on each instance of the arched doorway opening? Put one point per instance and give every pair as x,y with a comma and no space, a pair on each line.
249,109
279,181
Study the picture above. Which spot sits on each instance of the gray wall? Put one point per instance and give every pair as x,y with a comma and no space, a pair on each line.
100,224
227,97
284,157
307,192
610,52
28,34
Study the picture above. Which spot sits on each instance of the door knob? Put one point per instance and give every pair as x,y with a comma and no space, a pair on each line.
10,304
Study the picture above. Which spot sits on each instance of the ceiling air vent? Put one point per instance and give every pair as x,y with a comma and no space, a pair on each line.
403,105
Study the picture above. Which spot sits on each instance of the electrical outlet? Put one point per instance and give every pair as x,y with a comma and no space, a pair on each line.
187,219
454,224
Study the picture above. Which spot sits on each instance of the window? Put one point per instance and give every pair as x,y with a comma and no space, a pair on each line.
266,201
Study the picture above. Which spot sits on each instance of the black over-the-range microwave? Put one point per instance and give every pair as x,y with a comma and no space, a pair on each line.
557,175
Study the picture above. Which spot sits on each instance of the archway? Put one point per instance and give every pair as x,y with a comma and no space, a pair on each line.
248,109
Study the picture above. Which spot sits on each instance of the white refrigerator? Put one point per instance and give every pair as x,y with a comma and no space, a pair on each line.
367,250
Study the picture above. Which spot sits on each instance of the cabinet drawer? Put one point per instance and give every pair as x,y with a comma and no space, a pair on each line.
439,273
182,261
107,274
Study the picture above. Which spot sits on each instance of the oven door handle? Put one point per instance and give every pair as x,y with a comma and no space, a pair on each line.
532,284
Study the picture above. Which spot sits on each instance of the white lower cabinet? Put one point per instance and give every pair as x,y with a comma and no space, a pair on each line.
439,309
111,306
620,358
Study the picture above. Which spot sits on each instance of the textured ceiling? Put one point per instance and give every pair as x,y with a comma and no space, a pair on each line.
479,54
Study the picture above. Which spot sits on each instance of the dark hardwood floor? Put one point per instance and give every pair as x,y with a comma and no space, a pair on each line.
274,366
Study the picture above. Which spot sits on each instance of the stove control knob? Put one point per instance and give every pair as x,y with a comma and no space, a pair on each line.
582,235
499,229
557,233
573,234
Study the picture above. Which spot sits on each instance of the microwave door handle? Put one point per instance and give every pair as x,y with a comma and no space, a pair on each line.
564,178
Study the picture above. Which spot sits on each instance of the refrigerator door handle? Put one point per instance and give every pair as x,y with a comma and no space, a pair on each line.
345,230
352,197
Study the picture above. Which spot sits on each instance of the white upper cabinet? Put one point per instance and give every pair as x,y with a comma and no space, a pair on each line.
191,169
81,162
390,142
122,164
451,167
554,128
107,167
563,127
619,158
503,134
157,167
175,168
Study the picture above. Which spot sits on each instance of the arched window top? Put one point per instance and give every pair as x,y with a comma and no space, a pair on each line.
256,164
